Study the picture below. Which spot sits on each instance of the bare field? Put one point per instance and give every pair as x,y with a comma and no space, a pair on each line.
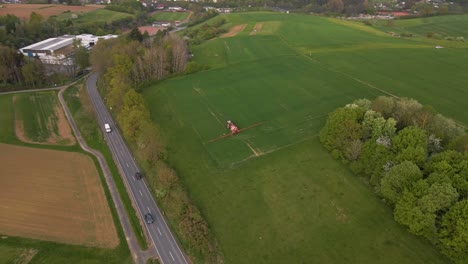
150,29
23,11
234,30
256,28
57,196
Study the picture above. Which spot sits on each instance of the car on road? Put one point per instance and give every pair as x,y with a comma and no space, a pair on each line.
107,128
138,175
149,218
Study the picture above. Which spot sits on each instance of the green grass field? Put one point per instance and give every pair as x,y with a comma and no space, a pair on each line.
272,194
7,119
98,15
36,110
169,16
446,26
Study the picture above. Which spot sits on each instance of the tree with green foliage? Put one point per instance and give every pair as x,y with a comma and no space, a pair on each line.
135,34
410,144
10,68
342,128
374,157
134,115
33,72
384,105
440,196
445,128
453,233
404,111
407,212
81,57
336,6
452,165
375,126
100,55
399,178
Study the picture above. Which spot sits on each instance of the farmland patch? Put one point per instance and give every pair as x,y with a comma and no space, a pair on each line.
24,11
57,197
39,119
95,16
296,204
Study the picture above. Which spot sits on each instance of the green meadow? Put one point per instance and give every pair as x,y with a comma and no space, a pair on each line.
98,15
272,194
37,114
445,26
169,16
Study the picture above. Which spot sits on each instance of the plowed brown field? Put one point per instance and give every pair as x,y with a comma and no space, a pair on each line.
53,195
23,11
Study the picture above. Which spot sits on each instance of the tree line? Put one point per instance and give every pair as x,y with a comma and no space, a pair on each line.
17,33
414,158
125,64
20,72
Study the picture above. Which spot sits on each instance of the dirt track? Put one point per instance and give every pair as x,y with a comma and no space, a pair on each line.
53,195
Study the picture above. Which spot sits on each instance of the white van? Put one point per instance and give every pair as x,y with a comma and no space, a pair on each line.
107,127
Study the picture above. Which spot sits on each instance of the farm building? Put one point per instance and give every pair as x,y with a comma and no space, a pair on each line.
59,50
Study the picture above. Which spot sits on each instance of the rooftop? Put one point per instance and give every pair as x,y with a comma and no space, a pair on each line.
51,43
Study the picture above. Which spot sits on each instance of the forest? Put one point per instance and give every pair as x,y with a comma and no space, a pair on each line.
414,158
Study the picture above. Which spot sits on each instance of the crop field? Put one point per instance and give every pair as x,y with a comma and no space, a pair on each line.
169,16
45,10
16,255
40,119
57,197
272,194
7,120
445,26
22,249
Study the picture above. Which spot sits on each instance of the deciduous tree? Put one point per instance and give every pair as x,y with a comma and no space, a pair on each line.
342,128
453,234
399,178
410,144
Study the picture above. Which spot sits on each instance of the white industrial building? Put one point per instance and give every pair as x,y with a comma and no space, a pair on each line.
59,50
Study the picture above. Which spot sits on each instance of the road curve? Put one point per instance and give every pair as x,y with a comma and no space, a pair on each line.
137,255
166,245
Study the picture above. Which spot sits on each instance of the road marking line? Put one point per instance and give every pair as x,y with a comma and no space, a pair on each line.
159,232
171,256
148,209
127,164
141,193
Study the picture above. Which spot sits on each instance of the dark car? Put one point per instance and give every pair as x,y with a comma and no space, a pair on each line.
149,218
138,176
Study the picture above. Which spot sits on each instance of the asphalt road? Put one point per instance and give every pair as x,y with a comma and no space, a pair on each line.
138,256
159,232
